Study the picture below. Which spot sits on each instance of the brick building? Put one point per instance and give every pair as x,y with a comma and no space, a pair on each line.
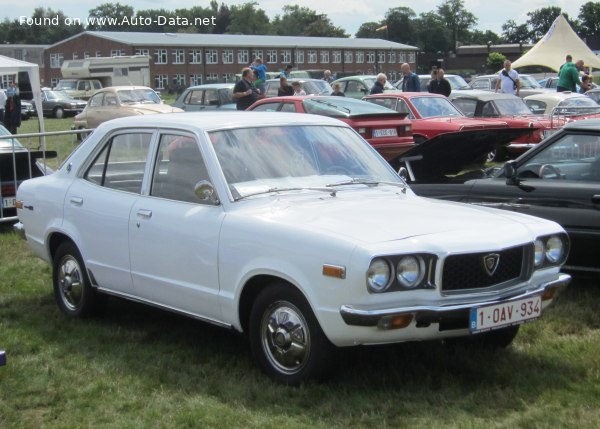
184,59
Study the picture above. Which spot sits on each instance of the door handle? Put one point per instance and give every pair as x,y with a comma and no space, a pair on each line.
76,201
145,214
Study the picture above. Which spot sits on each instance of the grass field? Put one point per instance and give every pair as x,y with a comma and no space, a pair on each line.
138,367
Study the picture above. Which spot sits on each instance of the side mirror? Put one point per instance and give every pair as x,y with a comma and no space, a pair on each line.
403,173
205,192
510,173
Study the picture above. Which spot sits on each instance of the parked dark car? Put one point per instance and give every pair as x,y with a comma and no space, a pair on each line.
211,96
28,165
559,180
58,104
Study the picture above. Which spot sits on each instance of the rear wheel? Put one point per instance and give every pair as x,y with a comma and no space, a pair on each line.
72,289
59,112
285,337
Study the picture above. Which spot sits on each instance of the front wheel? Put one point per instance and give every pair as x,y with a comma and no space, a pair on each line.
59,112
285,337
72,289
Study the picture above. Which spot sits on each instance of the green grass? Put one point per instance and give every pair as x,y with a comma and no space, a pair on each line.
138,367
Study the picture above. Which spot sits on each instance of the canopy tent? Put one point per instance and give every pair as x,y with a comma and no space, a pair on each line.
551,50
11,66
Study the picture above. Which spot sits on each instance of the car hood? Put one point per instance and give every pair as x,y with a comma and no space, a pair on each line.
378,216
451,153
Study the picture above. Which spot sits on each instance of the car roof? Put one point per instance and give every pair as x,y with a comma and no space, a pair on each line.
553,96
119,87
297,79
209,120
212,86
359,76
482,95
405,95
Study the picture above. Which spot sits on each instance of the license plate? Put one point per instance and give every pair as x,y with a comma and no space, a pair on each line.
385,132
9,202
506,314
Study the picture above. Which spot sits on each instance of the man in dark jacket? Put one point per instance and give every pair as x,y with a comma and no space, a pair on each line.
12,109
410,82
439,84
379,84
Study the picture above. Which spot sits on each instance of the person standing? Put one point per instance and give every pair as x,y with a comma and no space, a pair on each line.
12,109
508,80
410,81
586,83
379,85
287,72
439,84
261,74
284,87
298,88
337,90
327,76
244,92
568,78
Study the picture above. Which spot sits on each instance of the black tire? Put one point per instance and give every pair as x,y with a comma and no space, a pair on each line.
59,112
72,289
492,340
285,337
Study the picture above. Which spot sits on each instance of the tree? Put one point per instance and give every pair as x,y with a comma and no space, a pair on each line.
478,37
401,25
432,33
513,33
15,32
540,21
457,18
368,30
247,19
110,16
495,61
222,17
589,19
302,21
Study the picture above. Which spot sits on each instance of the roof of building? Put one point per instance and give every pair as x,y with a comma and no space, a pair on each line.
239,40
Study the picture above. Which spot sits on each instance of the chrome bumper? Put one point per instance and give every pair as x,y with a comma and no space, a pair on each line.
425,314
19,228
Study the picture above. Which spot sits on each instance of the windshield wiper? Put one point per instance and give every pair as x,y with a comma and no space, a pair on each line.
368,182
276,189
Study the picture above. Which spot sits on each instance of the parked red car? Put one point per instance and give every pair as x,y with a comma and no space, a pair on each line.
512,110
388,131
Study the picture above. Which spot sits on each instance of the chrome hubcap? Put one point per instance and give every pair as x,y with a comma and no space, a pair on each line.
70,283
285,337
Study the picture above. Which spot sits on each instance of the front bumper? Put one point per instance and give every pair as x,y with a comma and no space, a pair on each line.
357,316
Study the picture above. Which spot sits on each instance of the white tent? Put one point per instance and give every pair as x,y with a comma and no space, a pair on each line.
11,66
551,50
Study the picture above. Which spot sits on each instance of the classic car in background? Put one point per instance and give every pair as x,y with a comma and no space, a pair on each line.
457,82
58,104
287,227
310,86
359,86
552,82
120,101
17,164
212,96
386,130
569,105
528,84
559,179
512,110
594,94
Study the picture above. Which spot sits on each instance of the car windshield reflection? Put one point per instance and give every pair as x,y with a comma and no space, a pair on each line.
270,159
131,96
429,107
512,107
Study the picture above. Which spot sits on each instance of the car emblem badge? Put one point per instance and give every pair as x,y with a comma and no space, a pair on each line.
490,263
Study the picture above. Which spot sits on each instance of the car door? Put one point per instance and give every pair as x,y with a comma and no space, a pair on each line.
97,208
174,236
560,182
192,101
356,89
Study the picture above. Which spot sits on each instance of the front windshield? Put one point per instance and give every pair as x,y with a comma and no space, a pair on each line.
269,159
527,82
317,87
66,84
343,107
55,95
457,82
512,107
133,96
429,107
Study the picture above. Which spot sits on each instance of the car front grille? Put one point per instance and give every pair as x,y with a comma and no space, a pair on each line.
468,271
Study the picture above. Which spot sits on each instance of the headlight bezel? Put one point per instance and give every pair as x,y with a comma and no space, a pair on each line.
424,280
545,255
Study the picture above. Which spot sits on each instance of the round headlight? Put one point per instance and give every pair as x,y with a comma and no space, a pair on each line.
538,256
378,275
554,249
410,271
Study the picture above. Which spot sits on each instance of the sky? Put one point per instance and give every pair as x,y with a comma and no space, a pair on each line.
348,14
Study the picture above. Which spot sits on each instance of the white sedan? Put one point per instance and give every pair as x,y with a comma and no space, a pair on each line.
287,227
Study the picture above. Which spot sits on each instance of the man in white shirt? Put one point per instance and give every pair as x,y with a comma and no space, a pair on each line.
508,80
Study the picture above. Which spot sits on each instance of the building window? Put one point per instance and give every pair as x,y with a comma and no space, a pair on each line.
19,54
286,56
299,56
195,79
324,57
178,56
227,56
161,81
212,77
312,56
243,56
337,57
86,54
257,53
228,77
371,57
402,57
75,55
56,60
392,57
195,56
117,53
98,53
360,57
348,57
7,80
142,52
178,80
160,56
412,58
272,56
54,81
381,57
211,56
